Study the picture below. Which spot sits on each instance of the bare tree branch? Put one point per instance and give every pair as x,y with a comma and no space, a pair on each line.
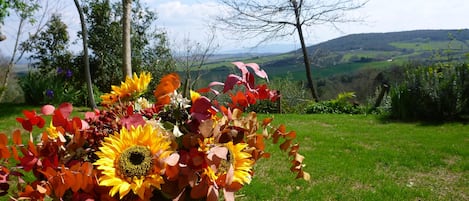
279,18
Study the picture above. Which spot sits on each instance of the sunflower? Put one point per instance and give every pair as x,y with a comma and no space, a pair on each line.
235,164
241,162
132,87
133,160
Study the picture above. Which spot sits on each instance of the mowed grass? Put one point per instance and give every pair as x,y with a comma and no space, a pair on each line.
363,158
354,158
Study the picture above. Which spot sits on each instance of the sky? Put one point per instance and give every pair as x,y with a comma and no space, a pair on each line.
189,19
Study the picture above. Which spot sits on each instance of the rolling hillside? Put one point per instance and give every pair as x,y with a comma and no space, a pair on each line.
357,54
352,52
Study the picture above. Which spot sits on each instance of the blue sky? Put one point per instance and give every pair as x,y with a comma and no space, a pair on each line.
189,18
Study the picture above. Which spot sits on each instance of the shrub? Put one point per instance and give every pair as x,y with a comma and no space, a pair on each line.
341,105
49,88
293,95
435,92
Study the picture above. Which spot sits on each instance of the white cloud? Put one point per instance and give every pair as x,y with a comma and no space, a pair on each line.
185,17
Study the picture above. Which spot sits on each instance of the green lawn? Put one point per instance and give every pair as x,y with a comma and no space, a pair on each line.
363,158
356,158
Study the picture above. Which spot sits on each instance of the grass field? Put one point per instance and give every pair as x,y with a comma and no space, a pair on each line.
364,158
356,158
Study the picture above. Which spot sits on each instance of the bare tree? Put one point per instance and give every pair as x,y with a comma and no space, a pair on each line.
25,11
86,59
271,19
193,55
127,55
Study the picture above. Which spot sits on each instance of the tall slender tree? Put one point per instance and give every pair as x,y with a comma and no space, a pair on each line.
280,18
126,30
86,59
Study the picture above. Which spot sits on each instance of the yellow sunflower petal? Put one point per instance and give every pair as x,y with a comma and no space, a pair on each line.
124,189
121,173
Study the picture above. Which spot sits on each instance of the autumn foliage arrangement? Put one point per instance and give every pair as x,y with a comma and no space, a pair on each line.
182,146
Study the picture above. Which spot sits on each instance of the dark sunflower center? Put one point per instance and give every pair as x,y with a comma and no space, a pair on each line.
135,161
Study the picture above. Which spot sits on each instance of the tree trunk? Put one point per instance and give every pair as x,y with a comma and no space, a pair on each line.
127,57
11,64
86,60
305,53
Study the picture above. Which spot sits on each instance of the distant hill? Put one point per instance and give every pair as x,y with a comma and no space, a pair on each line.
383,41
349,53
357,54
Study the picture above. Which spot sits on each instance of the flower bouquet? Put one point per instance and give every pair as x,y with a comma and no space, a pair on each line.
183,146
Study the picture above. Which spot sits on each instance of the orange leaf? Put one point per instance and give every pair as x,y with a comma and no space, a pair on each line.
4,152
71,181
3,139
32,148
282,128
294,149
167,85
260,142
15,153
44,137
79,182
291,135
267,121
17,137
284,146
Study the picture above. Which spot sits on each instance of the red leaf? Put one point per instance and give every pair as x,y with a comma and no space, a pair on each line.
40,122
230,82
133,120
66,109
76,123
20,120
28,162
27,125
29,114
240,99
250,80
130,110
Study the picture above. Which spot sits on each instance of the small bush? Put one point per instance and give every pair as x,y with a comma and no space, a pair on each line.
293,95
49,88
341,105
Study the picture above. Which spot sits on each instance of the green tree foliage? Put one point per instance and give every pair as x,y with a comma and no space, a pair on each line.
52,78
149,47
27,7
63,73
50,47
